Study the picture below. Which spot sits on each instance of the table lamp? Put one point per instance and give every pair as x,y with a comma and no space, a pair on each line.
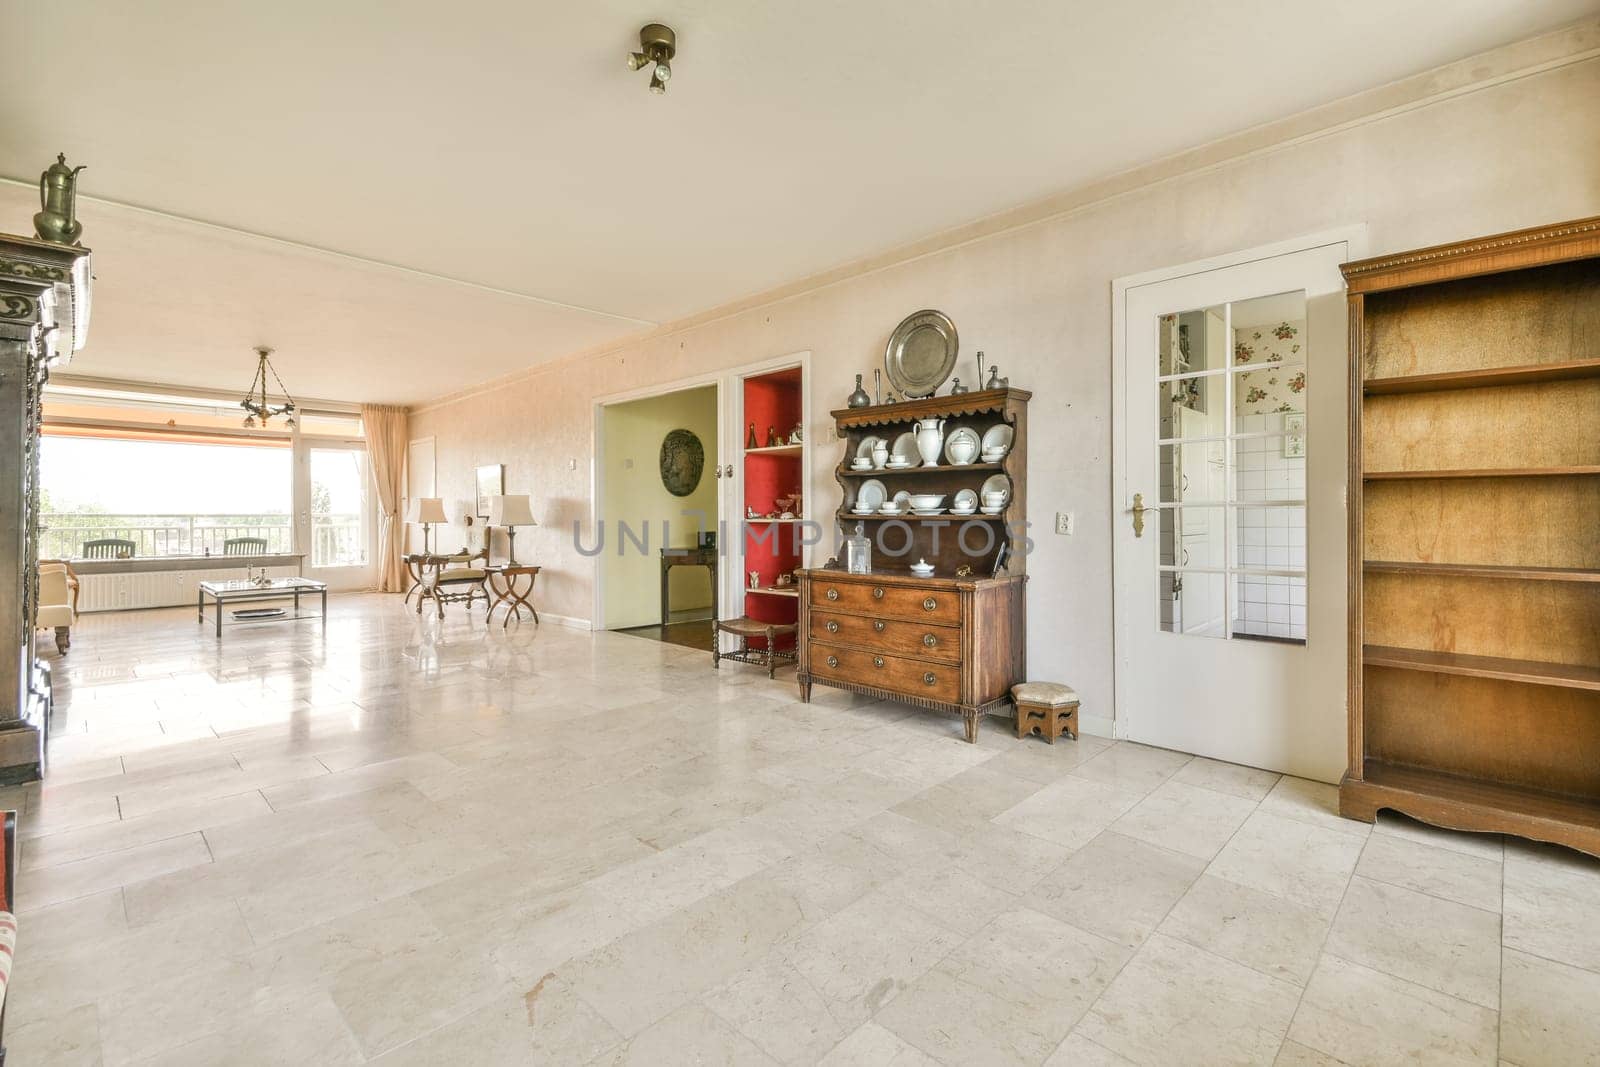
426,511
511,512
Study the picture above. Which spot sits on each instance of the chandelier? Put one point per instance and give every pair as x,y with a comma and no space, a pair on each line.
255,398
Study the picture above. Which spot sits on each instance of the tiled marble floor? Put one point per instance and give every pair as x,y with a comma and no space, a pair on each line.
407,843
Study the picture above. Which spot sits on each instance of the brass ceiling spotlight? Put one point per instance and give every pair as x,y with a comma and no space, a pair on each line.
659,45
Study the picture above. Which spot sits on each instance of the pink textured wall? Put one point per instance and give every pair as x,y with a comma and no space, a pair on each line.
1037,301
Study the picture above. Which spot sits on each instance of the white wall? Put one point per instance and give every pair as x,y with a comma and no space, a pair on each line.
1476,159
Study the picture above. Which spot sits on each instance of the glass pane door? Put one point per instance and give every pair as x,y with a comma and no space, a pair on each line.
1231,411
339,533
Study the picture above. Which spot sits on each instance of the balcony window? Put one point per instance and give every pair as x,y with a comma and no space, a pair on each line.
339,532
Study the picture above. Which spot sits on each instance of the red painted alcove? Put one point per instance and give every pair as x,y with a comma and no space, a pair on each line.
771,401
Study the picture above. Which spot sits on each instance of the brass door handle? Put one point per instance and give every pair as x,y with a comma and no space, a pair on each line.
833,627
833,594
833,661
930,678
878,625
1138,510
877,594
929,640
928,603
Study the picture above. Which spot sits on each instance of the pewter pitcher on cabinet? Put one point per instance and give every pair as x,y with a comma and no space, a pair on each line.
57,219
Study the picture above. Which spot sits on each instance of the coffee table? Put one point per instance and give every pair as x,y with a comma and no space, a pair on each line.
243,591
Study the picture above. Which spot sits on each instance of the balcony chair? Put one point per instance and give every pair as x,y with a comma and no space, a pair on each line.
244,546
55,609
108,548
454,579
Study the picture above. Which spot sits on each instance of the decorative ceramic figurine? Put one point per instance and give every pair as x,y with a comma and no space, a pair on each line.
772,437
930,439
859,398
956,388
755,579
57,220
750,441
795,435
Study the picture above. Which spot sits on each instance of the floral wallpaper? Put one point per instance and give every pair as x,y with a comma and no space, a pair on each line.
1273,388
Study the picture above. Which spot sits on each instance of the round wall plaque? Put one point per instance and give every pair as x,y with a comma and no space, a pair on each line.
921,354
683,460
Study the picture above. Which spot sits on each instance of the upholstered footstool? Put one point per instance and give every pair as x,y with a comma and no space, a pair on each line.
1047,707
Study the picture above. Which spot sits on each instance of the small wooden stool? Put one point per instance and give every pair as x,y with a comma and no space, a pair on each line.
744,629
1047,707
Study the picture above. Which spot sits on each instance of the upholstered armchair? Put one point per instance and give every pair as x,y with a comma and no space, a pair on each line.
55,610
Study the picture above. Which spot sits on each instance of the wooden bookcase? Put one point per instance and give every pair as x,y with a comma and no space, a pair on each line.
1474,507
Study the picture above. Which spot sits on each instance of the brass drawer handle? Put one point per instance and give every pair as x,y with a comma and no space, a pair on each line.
930,679
877,594
929,640
877,661
928,603
878,625
833,594
833,627
833,661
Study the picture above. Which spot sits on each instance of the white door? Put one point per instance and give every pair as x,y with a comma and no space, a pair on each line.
1230,583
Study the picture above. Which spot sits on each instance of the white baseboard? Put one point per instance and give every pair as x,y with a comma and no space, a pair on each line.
565,620
1098,725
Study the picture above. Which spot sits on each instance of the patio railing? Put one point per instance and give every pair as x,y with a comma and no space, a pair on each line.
337,540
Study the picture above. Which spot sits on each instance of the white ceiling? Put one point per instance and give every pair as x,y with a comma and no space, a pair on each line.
504,143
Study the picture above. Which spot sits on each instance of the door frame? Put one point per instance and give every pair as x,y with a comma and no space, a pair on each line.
339,579
1354,238
597,449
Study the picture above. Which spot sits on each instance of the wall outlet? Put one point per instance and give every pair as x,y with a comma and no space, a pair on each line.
1064,523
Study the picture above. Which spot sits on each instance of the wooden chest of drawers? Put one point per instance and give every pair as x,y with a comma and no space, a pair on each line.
948,644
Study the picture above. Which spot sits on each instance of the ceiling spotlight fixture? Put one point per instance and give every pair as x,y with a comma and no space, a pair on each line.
658,45
255,400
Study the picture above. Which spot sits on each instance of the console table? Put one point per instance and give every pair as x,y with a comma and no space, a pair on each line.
687,557
507,590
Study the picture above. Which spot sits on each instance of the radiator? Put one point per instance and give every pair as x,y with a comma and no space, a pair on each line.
155,589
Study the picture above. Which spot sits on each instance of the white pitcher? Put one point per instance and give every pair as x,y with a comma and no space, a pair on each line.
930,440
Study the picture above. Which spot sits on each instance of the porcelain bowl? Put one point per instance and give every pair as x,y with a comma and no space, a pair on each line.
926,501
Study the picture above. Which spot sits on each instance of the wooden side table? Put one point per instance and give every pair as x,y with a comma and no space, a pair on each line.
505,584
687,557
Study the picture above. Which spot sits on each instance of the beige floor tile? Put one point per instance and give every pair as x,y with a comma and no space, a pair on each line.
1311,802
1174,1003
957,1023
1132,768
68,1038
545,1024
308,1030
870,1045
1552,904
1450,874
1230,778
52,850
644,975
90,920
690,1035
1548,1015
1485,846
1185,818
773,1005
862,957
1070,811
1294,1054
1294,859
1079,1051
108,870
1116,887
1270,933
1364,1016
1442,945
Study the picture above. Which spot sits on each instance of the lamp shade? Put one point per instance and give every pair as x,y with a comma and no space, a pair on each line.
510,511
426,509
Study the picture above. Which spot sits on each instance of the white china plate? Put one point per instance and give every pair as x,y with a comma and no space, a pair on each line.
927,512
902,500
864,449
965,500
890,509
964,511
872,493
999,437
905,447
962,433
996,483
992,511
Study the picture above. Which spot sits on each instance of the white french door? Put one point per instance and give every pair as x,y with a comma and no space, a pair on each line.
1229,534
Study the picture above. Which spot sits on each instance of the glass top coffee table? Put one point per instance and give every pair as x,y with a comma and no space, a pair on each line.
244,591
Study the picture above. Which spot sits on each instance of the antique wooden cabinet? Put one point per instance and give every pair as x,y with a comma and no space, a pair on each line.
1474,510
44,316
955,641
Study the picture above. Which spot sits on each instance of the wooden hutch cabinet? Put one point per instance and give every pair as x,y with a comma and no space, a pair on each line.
44,316
955,641
1474,508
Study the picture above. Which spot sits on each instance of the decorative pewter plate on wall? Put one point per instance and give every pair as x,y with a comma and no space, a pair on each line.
921,354
683,460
